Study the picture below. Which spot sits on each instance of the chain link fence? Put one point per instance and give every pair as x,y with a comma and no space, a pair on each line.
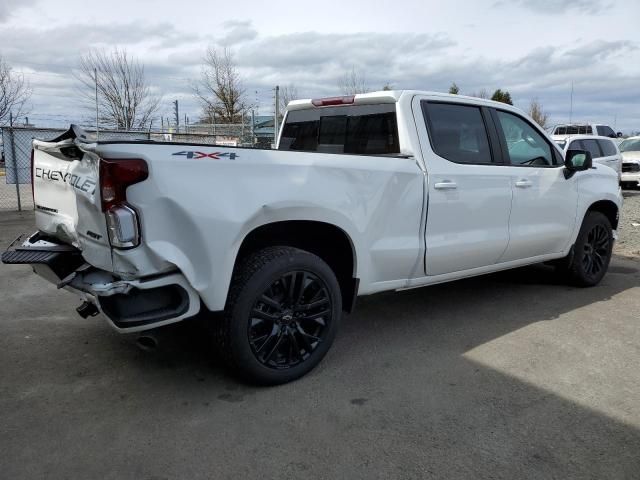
15,163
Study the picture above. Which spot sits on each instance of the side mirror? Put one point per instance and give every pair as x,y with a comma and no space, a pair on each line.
619,134
576,161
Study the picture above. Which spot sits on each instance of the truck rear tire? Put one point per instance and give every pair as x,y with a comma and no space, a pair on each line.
282,314
591,253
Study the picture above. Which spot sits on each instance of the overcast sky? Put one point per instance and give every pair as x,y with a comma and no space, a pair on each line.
533,48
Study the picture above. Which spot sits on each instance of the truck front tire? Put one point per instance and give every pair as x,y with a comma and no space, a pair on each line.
282,314
591,254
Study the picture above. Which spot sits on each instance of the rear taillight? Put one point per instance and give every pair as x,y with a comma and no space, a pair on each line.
116,175
326,102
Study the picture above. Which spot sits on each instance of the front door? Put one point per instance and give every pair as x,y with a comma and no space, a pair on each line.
543,214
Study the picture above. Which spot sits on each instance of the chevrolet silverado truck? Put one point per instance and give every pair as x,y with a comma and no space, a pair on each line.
380,191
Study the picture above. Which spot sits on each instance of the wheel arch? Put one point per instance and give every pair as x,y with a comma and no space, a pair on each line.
328,241
608,208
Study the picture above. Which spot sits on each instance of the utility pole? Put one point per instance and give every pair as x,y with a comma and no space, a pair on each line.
571,104
95,77
177,115
15,160
253,128
276,116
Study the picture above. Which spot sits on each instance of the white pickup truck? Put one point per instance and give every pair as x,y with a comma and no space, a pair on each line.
381,191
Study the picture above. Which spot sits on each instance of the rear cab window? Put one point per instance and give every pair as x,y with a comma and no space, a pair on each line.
353,129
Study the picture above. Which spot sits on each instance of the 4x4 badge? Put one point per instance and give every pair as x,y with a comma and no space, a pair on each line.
215,155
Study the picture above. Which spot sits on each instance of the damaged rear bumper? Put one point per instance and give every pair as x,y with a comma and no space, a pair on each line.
129,305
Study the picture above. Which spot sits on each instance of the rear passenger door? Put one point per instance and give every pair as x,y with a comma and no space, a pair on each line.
544,202
469,187
610,154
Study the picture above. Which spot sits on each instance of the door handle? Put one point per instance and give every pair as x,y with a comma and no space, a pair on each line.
446,185
524,183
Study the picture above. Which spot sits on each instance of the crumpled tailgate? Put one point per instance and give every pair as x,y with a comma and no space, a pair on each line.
67,198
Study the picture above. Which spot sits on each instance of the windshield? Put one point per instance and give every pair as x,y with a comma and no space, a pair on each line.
631,145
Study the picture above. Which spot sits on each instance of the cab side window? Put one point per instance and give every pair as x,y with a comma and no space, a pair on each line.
605,131
607,147
458,132
591,145
525,145
576,145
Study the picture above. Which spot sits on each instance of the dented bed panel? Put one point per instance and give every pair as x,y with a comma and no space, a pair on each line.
196,210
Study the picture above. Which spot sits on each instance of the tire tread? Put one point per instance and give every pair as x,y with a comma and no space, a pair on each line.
241,275
573,270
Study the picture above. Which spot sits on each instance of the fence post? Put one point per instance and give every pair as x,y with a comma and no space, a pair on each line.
15,166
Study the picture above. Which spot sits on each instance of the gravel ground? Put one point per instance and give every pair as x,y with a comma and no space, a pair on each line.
628,243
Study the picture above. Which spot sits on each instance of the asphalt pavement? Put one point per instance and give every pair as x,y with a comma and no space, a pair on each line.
512,375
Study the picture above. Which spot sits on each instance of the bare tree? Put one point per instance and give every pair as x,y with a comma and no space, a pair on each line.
482,93
537,113
220,89
287,93
124,97
353,82
14,93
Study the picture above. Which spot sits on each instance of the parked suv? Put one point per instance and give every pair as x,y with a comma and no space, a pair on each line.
366,193
603,150
562,131
630,150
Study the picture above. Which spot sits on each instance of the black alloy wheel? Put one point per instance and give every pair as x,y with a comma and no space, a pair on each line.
589,261
289,320
596,250
282,314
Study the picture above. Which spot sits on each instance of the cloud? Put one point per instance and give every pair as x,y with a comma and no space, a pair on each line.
237,31
604,72
555,7
61,45
601,49
8,7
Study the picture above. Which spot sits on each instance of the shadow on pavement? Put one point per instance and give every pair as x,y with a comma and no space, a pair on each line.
501,376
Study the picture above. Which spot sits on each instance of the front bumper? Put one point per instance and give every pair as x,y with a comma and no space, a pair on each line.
129,305
630,178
